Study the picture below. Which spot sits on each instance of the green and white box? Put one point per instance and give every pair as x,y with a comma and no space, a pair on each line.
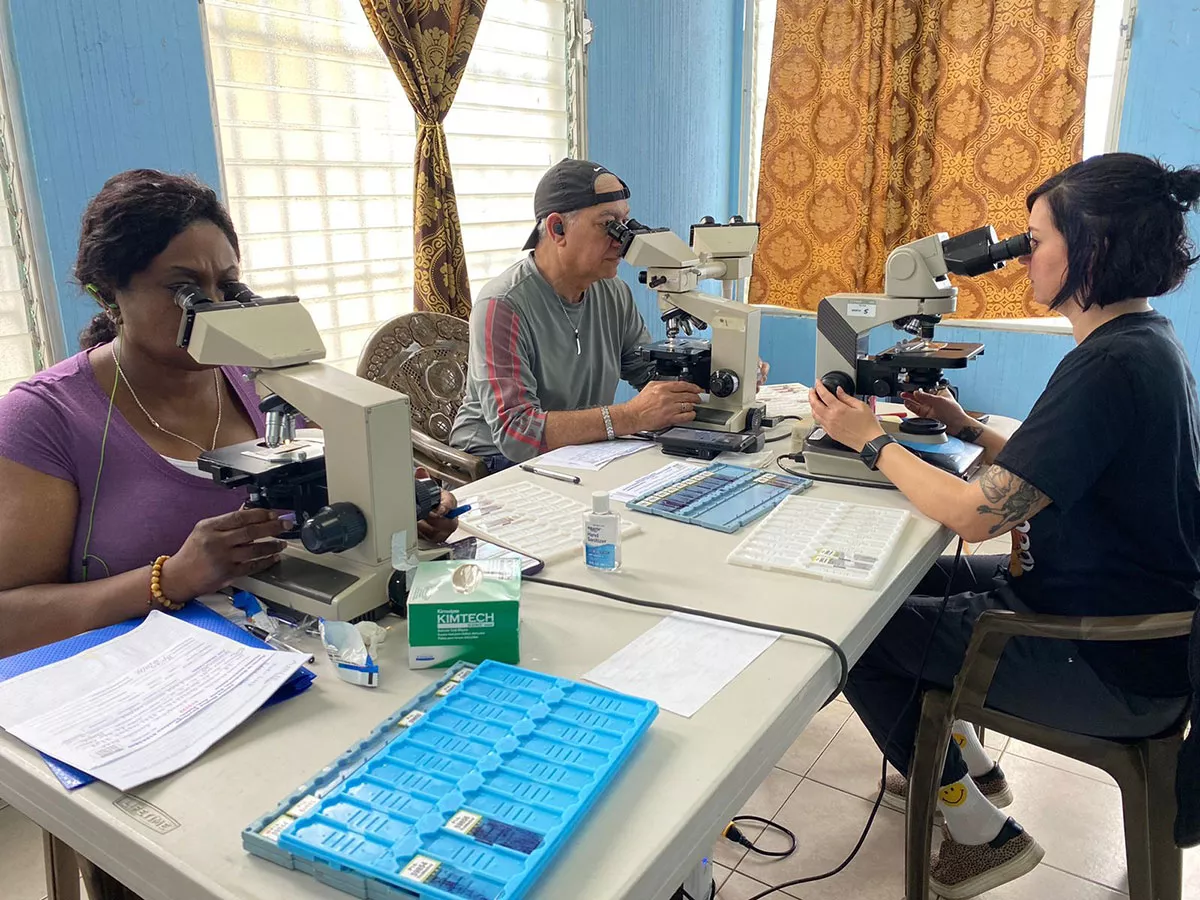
468,616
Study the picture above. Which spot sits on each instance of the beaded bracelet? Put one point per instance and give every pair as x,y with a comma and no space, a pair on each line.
157,597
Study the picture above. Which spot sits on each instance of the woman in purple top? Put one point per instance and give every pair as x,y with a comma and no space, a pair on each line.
98,453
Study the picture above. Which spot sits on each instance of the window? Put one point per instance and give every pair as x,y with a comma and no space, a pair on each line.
1107,66
317,140
22,327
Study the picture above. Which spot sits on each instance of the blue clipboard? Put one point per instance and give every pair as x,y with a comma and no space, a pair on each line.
195,613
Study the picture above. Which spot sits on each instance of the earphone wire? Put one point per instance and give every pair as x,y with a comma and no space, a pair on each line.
87,541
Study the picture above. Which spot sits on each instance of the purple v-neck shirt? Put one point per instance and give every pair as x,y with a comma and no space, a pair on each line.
145,506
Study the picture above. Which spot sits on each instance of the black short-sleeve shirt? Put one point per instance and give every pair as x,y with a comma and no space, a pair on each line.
1114,442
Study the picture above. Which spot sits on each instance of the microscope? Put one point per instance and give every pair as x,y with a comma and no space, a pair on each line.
352,491
916,294
728,418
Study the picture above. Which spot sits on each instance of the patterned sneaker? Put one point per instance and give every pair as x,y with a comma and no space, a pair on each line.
992,784
967,870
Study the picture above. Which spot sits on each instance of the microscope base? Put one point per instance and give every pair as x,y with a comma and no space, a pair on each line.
826,458
326,586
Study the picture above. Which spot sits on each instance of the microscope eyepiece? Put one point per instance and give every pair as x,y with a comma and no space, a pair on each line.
624,232
1013,247
237,292
979,251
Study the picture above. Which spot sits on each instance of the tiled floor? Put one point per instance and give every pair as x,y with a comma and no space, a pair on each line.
1073,810
819,790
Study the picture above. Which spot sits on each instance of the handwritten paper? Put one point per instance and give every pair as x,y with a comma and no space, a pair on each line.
592,457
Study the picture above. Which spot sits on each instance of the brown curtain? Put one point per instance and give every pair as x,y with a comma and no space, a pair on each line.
888,120
428,42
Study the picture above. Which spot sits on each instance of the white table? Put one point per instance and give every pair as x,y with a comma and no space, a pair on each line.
642,838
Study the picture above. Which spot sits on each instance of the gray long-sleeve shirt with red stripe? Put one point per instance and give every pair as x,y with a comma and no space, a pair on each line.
524,362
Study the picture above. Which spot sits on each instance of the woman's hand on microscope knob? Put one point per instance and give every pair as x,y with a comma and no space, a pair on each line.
846,419
662,404
222,549
942,407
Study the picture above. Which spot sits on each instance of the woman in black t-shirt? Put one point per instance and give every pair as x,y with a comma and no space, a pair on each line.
1104,512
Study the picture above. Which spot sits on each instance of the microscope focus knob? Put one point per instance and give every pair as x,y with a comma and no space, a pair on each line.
723,383
642,277
334,528
882,388
835,380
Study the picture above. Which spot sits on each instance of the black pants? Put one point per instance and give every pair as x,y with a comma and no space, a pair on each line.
496,462
1042,681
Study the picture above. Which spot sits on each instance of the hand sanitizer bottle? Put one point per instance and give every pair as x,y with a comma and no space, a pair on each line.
602,535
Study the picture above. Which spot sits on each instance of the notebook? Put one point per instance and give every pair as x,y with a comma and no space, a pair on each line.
195,613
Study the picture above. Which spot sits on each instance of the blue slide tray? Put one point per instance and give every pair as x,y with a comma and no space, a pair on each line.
465,793
722,497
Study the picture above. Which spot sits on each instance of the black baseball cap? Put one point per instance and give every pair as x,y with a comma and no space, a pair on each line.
568,185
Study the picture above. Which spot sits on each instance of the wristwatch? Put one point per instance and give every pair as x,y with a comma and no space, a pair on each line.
870,452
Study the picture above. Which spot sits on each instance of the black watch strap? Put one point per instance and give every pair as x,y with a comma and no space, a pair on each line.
870,452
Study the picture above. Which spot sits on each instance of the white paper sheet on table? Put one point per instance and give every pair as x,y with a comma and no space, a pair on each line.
652,481
144,704
592,457
682,662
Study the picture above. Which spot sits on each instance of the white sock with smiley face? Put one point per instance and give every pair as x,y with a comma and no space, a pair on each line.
978,760
970,816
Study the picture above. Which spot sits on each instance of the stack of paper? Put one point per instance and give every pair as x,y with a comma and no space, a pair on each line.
144,704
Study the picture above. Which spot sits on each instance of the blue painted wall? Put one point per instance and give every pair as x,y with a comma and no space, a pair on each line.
664,81
1161,117
106,85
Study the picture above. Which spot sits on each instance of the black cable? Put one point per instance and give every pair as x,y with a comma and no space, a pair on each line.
735,834
772,421
778,437
884,486
887,740
733,620
845,671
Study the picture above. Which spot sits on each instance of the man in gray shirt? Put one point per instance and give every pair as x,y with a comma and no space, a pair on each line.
554,333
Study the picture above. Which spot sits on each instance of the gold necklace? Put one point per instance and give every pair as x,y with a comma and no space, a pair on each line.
154,421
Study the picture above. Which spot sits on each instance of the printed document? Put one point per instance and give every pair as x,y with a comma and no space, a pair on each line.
144,704
592,457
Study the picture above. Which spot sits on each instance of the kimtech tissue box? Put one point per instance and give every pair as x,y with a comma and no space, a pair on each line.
461,610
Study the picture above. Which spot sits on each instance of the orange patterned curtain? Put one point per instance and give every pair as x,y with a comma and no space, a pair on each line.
888,120
428,42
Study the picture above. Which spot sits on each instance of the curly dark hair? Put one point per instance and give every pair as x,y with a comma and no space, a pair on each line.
125,226
1123,218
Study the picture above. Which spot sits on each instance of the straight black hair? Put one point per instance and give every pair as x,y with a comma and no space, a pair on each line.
1123,218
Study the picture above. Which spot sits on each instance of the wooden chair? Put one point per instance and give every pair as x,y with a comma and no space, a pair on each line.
424,355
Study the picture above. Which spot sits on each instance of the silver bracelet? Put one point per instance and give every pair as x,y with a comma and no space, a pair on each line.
608,426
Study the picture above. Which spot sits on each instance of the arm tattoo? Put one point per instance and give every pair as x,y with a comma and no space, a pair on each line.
1010,498
969,433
